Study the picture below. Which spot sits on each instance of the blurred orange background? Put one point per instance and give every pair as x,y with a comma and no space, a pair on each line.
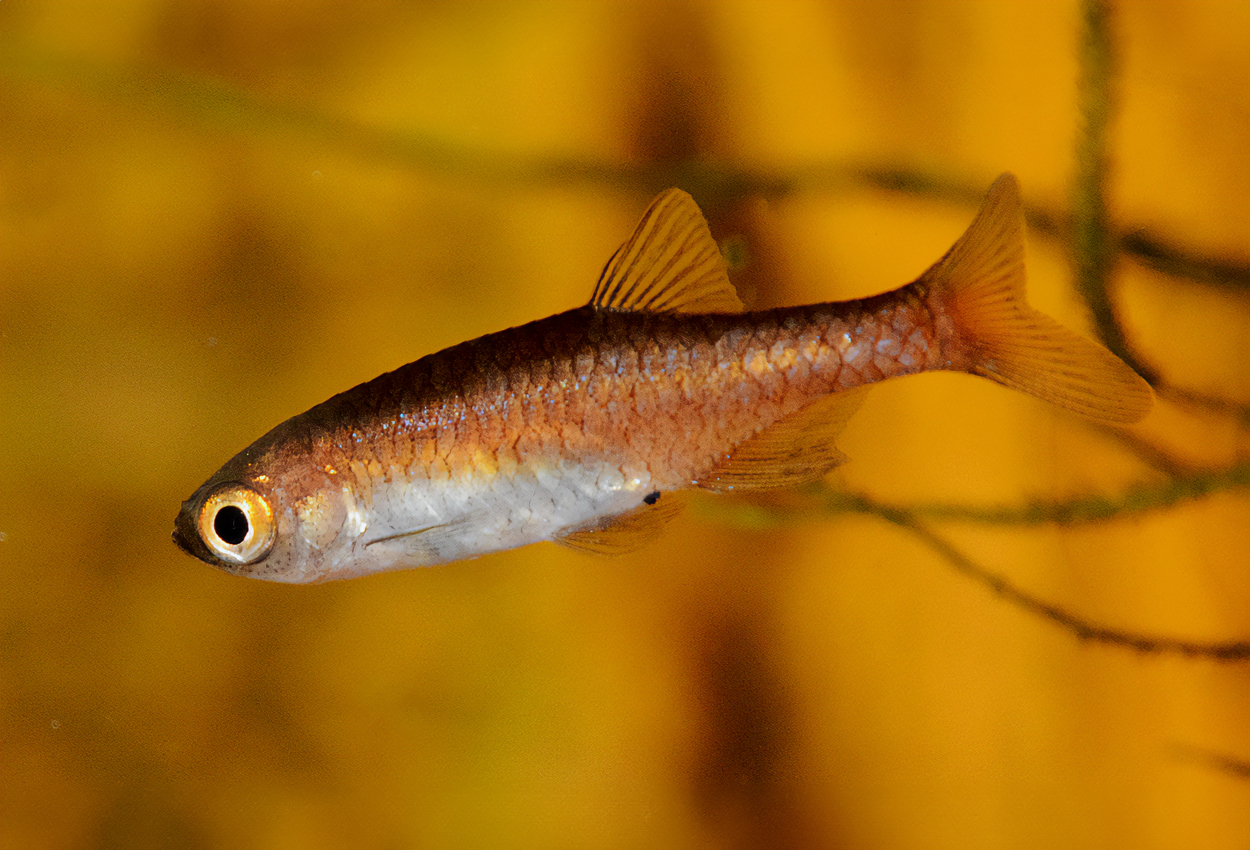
214,215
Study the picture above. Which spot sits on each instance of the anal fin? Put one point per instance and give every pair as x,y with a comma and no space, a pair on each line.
793,450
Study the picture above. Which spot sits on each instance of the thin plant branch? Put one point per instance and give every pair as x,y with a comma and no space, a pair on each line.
1083,629
220,107
1094,246
1237,767
827,500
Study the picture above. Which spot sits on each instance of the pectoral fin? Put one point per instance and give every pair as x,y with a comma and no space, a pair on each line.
424,545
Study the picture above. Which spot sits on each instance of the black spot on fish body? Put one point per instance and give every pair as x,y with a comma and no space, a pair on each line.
651,498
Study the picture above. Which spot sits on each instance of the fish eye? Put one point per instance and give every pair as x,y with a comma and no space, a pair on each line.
236,524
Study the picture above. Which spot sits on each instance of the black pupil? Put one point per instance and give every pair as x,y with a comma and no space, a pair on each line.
230,525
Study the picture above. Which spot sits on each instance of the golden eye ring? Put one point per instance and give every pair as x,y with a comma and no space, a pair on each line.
236,524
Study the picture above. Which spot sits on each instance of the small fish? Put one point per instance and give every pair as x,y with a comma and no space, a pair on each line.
584,427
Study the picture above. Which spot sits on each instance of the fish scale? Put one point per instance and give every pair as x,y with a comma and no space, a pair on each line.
585,427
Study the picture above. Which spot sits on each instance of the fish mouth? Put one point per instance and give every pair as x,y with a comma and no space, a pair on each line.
182,543
185,536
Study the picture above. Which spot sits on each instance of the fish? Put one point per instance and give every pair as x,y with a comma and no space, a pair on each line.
586,428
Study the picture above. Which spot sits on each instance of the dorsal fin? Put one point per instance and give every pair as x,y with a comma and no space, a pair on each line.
793,450
670,264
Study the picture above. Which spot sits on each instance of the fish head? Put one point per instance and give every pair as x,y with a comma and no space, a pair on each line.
249,520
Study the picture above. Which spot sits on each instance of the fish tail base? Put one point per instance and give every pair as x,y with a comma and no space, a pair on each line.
981,286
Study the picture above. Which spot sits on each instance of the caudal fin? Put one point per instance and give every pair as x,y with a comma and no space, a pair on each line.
981,284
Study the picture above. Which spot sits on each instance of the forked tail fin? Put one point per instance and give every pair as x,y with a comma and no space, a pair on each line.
980,284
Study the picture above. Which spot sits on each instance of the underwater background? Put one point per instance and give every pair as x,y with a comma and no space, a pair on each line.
214,215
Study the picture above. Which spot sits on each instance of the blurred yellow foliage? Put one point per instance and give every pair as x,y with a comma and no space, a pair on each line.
214,215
